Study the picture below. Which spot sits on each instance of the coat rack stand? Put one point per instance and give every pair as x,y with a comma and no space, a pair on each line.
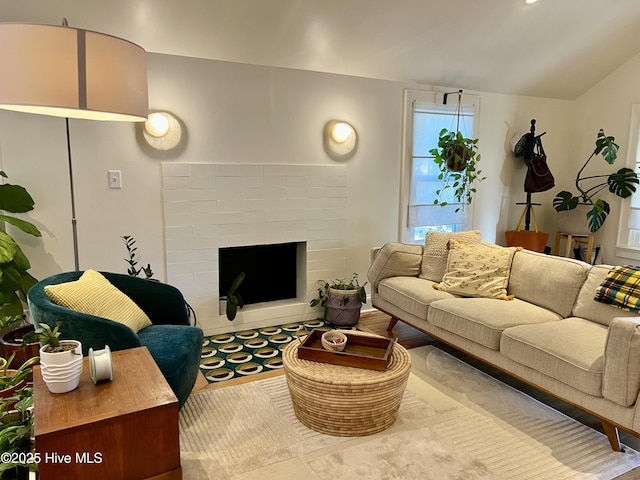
528,204
531,240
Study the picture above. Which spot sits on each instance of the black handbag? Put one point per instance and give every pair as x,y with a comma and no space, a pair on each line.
539,177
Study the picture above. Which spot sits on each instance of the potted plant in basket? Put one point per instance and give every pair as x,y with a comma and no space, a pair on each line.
457,158
342,299
593,211
60,360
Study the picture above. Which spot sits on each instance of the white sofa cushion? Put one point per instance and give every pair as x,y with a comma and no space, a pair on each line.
570,351
436,252
483,320
548,281
587,307
411,294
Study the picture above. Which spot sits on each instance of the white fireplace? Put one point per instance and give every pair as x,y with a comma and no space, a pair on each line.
210,206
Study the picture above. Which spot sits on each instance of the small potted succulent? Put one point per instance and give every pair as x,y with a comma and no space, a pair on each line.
457,157
342,299
591,212
60,360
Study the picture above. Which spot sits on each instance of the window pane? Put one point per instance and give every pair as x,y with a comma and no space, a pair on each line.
427,127
419,234
425,120
424,181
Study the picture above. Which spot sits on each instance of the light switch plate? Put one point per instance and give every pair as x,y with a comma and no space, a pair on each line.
115,179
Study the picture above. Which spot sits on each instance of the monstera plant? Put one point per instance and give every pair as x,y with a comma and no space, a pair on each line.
15,280
621,183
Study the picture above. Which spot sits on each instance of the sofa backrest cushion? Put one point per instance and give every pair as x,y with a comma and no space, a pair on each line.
547,281
436,252
587,307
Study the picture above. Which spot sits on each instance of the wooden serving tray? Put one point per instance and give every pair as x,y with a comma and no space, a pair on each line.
362,351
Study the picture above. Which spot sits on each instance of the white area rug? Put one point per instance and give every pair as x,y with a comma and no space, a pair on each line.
455,423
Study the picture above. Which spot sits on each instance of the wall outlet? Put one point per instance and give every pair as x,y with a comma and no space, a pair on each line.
115,179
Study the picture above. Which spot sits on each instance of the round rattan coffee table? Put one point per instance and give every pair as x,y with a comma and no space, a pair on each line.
345,401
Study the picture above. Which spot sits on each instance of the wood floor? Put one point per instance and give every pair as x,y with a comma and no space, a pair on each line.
409,337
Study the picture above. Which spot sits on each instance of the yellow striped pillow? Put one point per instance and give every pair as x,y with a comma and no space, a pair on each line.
93,294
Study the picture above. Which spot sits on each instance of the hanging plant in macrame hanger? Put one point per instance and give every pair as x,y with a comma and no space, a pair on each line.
457,157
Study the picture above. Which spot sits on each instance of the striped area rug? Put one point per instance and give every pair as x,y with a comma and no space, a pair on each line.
454,423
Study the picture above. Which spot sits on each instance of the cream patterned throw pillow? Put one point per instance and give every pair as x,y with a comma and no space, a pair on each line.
477,270
434,256
93,294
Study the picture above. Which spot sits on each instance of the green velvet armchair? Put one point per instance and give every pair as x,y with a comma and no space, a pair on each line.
174,344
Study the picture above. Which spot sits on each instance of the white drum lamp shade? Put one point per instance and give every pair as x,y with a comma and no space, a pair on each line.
73,73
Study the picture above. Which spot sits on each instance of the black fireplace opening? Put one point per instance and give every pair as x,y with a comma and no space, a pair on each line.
271,271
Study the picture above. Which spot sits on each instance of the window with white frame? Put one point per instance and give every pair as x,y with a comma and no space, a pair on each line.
628,245
425,116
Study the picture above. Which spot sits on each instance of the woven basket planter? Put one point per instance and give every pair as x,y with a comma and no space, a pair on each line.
343,307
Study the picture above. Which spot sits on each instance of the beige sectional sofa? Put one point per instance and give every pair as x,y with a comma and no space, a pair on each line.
552,334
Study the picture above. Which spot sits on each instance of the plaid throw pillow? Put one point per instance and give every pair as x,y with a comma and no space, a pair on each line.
621,288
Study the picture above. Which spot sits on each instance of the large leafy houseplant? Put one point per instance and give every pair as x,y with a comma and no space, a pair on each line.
457,158
16,426
621,183
15,280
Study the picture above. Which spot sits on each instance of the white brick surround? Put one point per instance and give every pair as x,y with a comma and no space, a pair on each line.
207,206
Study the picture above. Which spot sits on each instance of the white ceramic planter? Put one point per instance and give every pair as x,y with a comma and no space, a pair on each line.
61,370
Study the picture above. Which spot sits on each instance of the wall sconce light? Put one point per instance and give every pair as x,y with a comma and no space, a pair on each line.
162,131
340,140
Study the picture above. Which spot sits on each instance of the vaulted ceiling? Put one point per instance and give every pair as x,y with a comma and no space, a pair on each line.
553,48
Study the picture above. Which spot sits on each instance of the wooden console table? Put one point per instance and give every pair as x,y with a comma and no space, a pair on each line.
126,428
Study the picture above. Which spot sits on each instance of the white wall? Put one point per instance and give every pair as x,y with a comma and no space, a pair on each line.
608,106
501,117
235,113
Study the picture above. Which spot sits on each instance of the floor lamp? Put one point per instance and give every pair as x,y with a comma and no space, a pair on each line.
71,73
